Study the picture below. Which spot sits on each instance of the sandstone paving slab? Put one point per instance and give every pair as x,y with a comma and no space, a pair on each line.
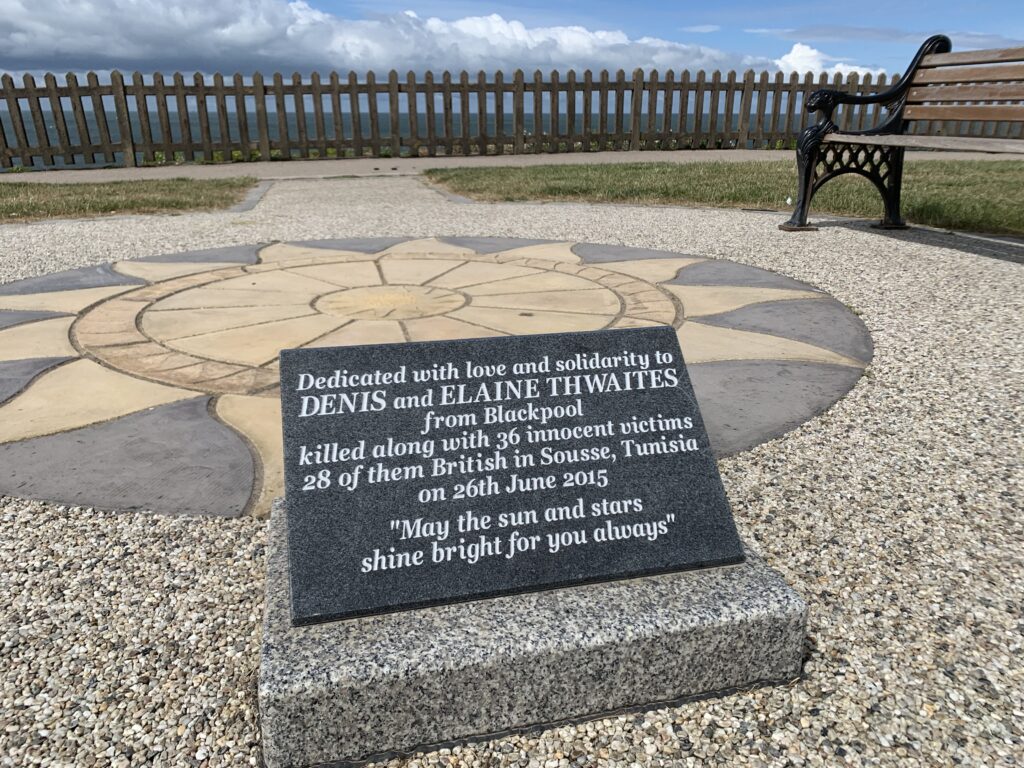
597,253
15,375
703,300
75,395
154,271
473,273
415,271
217,296
44,338
259,420
175,325
342,275
427,246
537,321
823,322
545,252
247,346
592,301
443,327
276,253
362,332
652,270
542,281
60,301
293,281
705,343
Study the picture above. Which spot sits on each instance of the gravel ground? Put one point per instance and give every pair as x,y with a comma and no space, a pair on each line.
897,514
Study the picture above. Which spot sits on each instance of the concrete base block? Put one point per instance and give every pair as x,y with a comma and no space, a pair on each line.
346,692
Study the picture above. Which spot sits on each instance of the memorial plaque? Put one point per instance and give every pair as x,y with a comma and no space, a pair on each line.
426,473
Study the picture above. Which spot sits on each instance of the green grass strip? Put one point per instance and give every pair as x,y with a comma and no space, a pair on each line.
967,195
29,201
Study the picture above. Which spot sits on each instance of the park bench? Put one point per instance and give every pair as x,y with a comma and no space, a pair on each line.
957,89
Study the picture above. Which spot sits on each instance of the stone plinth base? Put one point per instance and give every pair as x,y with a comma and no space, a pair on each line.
348,691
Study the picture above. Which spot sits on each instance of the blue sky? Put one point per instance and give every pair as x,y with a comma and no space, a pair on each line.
881,34
306,35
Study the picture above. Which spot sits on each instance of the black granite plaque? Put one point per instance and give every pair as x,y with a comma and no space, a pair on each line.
427,473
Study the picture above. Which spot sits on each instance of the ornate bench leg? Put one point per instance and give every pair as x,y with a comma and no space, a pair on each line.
893,184
806,161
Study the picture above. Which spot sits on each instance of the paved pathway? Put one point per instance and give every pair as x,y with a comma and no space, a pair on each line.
153,384
383,166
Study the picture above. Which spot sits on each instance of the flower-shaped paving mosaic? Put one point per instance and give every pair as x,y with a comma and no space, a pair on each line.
153,384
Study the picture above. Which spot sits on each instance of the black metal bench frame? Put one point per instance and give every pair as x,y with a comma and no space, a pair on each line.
822,154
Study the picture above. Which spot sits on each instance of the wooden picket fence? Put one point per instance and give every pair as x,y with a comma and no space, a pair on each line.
150,120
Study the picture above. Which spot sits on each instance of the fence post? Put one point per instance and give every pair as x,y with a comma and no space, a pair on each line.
635,109
394,126
748,92
124,123
142,112
554,121
262,124
518,112
5,159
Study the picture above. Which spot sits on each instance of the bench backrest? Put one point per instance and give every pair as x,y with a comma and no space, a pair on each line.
968,85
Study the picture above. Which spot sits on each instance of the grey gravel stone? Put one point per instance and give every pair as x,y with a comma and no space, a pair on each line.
896,514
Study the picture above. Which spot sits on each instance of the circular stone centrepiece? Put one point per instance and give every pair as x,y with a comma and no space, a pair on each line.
153,384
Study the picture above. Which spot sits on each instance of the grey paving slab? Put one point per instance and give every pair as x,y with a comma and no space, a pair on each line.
243,254
745,403
823,322
594,253
360,244
174,459
347,691
720,272
15,375
73,279
12,317
492,244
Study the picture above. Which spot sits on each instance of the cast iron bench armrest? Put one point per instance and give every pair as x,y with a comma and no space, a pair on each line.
825,100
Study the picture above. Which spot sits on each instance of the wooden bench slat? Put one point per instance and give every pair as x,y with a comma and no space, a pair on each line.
966,92
989,56
1012,112
965,144
980,74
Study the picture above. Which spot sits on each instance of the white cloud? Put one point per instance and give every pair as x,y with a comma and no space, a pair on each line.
803,58
844,33
702,29
275,35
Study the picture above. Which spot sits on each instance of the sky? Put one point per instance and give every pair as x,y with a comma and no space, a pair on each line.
306,35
